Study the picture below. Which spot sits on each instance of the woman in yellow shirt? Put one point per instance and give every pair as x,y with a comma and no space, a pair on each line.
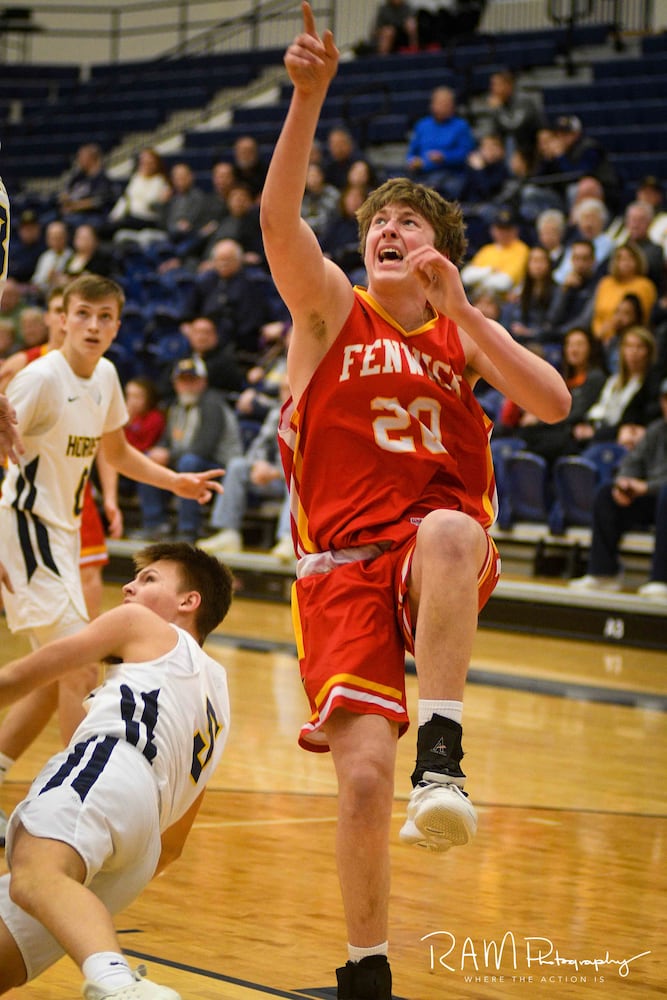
627,274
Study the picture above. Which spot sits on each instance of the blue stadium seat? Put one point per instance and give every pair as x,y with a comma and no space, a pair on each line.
605,456
501,449
527,482
575,480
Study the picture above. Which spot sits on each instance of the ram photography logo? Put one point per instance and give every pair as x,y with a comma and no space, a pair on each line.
526,959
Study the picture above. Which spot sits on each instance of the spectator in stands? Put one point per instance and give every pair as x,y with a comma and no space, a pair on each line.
526,314
341,153
516,116
628,313
146,420
638,219
550,227
141,203
637,498
486,171
88,193
52,263
241,224
340,239
572,304
626,403
235,298
223,179
88,254
363,174
201,433
183,214
145,425
395,27
12,303
257,475
224,371
33,330
214,210
27,245
8,345
651,191
51,318
627,273
583,370
264,381
574,155
320,200
249,167
440,145
589,217
501,264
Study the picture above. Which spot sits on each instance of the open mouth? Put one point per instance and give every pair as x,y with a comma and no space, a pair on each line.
389,254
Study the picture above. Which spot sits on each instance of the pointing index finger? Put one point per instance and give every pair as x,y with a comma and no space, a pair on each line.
308,19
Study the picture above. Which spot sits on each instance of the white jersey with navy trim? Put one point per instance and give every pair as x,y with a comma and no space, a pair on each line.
150,743
174,710
61,418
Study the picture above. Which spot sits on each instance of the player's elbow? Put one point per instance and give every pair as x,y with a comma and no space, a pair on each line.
558,405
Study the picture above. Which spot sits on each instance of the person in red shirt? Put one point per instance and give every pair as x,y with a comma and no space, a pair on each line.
386,454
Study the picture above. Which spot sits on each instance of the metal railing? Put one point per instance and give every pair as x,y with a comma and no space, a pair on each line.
87,33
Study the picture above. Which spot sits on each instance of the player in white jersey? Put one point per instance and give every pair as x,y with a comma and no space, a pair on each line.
111,810
68,404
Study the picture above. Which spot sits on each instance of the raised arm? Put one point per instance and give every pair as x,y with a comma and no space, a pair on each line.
316,292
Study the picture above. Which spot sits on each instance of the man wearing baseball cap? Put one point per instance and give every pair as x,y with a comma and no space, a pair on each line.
202,433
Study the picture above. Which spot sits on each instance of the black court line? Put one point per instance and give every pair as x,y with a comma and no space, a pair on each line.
476,675
317,993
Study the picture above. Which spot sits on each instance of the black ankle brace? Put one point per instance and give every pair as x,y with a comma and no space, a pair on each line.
439,749
369,979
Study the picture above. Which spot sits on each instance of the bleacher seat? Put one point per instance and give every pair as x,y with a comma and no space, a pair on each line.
575,480
528,493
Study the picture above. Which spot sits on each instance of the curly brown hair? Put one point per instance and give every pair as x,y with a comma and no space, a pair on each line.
446,217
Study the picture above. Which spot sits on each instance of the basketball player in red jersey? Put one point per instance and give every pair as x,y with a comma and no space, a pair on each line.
386,453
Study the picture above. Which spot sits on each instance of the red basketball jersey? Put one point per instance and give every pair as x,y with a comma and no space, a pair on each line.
387,430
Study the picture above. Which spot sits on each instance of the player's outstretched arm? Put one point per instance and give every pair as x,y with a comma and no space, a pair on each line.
131,632
199,486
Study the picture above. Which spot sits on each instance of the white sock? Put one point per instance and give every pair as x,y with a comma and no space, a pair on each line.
5,764
356,954
108,968
448,709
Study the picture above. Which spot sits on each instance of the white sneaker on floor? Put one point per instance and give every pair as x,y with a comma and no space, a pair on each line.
283,550
590,582
440,815
3,827
226,540
654,590
141,989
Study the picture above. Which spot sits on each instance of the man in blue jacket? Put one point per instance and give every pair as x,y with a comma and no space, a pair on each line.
440,145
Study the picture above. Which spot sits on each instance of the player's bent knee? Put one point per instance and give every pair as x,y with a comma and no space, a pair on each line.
449,534
24,888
